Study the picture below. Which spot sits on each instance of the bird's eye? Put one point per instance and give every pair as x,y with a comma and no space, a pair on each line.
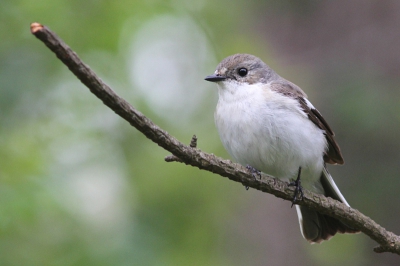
242,71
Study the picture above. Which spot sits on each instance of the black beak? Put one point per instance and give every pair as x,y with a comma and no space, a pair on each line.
215,78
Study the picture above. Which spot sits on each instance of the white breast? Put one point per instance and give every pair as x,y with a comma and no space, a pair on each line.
269,131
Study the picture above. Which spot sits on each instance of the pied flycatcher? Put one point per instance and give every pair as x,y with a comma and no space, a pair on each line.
266,122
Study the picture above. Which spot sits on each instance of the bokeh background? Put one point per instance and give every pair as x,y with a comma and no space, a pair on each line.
79,186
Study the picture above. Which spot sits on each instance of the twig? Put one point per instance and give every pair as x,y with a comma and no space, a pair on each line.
190,155
173,158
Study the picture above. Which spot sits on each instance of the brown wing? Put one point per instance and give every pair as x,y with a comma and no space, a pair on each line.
332,154
287,88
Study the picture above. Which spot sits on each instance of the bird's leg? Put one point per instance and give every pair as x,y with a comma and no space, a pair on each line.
299,189
254,172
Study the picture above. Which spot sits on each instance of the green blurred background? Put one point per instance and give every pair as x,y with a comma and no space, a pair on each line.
79,186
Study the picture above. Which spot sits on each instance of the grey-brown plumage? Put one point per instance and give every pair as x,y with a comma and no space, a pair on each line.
267,122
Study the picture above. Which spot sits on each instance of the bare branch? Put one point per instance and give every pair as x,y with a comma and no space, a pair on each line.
190,155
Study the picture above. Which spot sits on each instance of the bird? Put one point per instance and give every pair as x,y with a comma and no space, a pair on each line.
266,123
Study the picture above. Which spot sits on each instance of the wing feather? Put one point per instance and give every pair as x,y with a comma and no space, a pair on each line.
333,154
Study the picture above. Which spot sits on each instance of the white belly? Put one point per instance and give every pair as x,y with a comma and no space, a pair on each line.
274,136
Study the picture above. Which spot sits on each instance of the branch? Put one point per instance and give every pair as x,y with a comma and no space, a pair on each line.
190,155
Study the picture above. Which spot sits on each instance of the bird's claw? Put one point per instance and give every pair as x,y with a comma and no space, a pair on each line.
254,172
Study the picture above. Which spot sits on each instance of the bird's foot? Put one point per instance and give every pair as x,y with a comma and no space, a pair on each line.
254,172
298,191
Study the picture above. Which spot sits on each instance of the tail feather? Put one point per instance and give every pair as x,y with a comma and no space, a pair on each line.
316,227
330,188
